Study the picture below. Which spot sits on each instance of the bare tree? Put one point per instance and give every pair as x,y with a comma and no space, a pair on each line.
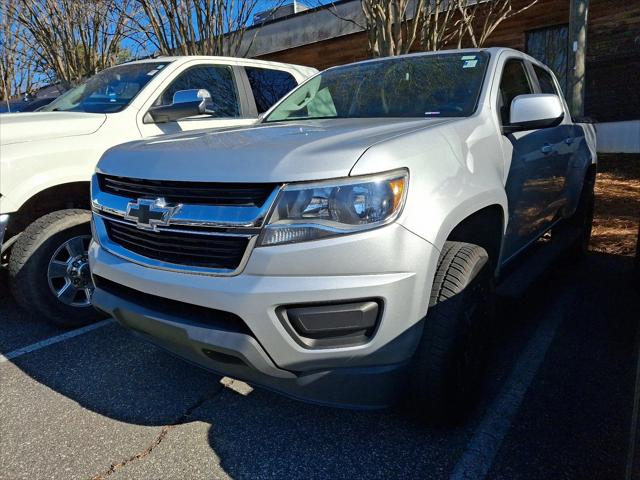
8,51
195,27
439,23
392,31
479,19
72,38
389,29
18,63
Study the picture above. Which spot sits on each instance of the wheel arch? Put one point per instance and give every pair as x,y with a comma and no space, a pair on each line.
483,225
57,197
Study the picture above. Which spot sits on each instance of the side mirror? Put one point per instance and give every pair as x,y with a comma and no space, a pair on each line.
536,110
186,103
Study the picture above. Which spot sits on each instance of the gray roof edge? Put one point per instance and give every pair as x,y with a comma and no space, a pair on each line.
324,23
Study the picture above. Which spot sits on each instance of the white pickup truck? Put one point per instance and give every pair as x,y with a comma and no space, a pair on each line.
347,246
47,159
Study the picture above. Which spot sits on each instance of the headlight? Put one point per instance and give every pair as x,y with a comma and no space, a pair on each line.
311,211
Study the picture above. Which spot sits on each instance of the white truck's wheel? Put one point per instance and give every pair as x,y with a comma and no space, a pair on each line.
450,361
48,268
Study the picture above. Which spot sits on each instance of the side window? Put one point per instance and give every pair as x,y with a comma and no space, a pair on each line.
269,86
514,82
217,79
545,80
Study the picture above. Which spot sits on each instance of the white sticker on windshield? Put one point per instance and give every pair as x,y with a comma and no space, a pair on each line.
152,72
469,63
469,57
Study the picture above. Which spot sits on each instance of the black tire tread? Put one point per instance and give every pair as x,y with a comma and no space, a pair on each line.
457,268
22,275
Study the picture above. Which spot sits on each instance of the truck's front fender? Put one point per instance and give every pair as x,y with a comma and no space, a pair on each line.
455,170
30,168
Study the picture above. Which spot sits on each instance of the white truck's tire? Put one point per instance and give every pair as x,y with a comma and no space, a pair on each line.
48,269
450,361
582,220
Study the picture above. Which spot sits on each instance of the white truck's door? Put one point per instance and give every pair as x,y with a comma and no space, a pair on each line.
539,160
229,100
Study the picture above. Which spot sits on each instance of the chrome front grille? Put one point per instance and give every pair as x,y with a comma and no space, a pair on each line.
193,237
194,193
197,249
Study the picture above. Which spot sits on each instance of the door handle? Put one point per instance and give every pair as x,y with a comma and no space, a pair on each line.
546,149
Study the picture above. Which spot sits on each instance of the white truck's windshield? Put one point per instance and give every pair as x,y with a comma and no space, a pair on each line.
441,85
109,91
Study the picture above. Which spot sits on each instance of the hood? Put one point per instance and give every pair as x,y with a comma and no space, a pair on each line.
277,152
34,126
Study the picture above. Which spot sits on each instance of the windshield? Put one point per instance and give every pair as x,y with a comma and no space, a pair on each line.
107,92
441,85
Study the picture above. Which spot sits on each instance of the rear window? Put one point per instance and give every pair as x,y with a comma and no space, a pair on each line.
545,80
269,86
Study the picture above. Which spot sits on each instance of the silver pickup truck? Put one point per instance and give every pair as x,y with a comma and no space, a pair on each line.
346,248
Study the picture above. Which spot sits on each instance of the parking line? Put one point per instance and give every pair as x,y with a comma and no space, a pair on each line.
633,440
475,462
53,340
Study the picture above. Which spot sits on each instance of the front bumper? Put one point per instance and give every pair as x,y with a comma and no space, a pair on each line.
390,264
4,220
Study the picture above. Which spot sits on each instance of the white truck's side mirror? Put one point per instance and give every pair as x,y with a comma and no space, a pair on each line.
536,110
186,103
201,95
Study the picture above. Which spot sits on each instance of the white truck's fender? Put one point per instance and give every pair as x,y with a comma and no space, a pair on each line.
25,176
455,187
31,167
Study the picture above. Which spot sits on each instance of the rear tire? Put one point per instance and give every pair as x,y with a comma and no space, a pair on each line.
582,221
48,272
450,361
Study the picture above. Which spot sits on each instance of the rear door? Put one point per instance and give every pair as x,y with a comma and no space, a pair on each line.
266,86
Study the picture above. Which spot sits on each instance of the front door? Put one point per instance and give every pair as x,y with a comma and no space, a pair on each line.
537,171
220,81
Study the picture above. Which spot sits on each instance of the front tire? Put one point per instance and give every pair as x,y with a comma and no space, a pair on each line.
450,361
48,268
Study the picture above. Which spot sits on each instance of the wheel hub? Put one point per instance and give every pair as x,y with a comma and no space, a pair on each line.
69,275
78,272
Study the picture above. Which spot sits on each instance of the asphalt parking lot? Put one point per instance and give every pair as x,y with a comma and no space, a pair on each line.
103,404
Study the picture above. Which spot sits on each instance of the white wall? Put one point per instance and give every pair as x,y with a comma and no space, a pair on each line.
618,137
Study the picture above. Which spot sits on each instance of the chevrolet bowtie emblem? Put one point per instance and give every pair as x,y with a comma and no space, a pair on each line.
150,214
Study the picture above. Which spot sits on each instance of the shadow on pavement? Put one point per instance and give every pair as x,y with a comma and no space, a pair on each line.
17,327
580,426
264,435
576,418
110,372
